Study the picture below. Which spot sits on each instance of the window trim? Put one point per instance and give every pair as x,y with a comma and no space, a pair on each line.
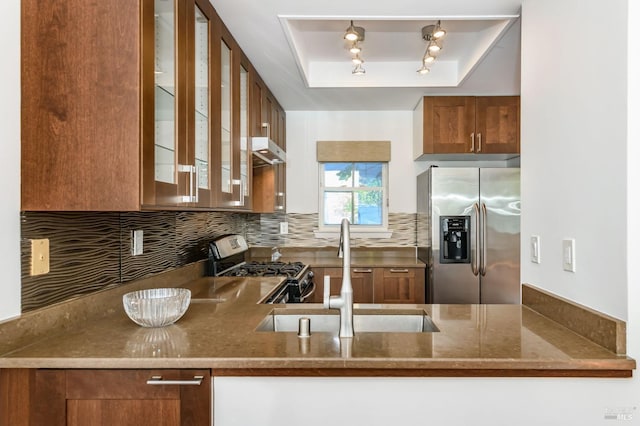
372,231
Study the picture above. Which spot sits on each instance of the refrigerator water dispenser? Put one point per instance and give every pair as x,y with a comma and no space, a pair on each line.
454,239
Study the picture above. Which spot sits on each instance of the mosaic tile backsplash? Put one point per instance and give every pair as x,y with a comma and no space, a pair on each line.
91,251
263,230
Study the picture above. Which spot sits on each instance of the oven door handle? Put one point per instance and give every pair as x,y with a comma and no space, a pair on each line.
309,292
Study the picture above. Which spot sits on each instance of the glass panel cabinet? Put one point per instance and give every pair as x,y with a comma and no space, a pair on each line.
165,91
181,131
245,140
226,146
202,98
179,104
233,146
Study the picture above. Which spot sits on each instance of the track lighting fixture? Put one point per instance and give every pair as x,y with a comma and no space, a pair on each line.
423,69
433,35
355,36
358,70
354,33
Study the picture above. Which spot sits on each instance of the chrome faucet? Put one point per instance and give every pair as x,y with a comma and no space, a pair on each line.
344,302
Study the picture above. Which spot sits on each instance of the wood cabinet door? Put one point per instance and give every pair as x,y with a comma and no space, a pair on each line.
115,397
399,285
449,124
498,124
80,105
361,281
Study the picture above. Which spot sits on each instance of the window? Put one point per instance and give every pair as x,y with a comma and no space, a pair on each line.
355,190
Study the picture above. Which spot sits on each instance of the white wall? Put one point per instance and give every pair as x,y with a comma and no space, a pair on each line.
573,161
304,128
633,192
10,170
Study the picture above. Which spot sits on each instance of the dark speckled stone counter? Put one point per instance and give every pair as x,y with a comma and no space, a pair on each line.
218,332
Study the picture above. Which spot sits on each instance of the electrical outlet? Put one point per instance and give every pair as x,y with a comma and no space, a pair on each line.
39,257
137,247
284,227
535,249
569,255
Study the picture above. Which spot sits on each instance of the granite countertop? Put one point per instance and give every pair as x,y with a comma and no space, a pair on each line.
218,332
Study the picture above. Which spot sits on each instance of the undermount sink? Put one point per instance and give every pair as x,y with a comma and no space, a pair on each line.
381,321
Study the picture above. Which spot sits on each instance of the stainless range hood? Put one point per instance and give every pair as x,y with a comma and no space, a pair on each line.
265,151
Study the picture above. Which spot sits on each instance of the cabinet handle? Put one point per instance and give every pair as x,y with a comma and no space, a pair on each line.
268,127
362,271
403,271
158,380
473,142
240,201
281,205
193,173
479,142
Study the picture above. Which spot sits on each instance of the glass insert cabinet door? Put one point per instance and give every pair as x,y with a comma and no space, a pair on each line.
226,143
165,143
245,143
201,98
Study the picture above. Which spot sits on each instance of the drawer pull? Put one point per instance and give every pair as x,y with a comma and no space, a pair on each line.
363,271
402,271
158,380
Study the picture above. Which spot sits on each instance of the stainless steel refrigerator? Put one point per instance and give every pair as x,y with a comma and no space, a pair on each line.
468,234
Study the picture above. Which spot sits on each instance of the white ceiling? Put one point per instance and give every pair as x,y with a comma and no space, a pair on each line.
298,49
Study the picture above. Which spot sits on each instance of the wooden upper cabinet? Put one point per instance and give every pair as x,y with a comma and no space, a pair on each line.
269,181
80,108
232,145
176,106
133,106
448,126
498,124
115,104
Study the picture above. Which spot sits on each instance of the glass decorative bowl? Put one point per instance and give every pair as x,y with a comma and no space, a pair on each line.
156,307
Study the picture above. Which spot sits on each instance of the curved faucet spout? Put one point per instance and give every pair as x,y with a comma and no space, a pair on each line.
344,302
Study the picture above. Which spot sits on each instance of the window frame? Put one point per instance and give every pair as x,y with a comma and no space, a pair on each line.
354,227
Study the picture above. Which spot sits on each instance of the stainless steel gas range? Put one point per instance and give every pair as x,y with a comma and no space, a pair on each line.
227,258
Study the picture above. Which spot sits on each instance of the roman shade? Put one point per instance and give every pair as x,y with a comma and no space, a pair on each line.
353,151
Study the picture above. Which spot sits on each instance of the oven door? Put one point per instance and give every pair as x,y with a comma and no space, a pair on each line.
281,295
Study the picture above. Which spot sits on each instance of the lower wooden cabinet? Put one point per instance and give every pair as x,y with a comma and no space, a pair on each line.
361,281
399,285
375,285
105,397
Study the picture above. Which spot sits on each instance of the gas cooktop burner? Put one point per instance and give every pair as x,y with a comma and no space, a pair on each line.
267,269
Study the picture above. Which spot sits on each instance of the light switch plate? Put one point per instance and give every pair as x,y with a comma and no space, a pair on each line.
569,255
137,247
284,228
535,249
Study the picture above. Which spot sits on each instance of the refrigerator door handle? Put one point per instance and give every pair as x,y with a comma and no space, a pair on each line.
474,259
483,243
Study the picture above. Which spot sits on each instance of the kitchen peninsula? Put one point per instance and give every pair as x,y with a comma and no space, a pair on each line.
218,332
87,351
